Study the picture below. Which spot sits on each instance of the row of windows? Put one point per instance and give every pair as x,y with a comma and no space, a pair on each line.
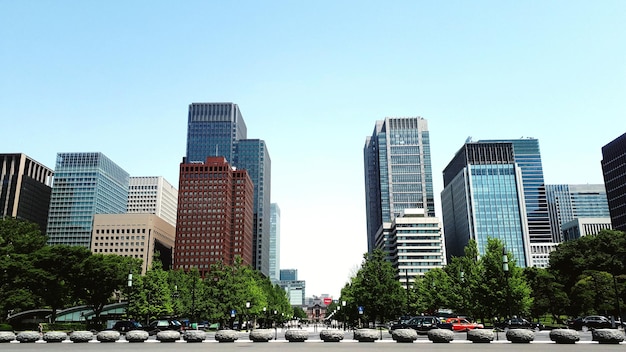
108,231
119,244
119,250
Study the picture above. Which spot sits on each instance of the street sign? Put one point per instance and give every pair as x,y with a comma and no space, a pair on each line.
233,313
360,309
328,300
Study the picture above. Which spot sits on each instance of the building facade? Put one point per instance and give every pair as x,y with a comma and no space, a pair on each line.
483,197
274,242
414,244
614,171
215,215
25,189
398,172
253,156
84,184
289,274
213,129
567,202
580,227
134,235
153,195
218,129
527,156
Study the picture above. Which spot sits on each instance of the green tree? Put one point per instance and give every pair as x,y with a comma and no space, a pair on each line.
548,295
55,275
19,239
376,289
99,276
154,299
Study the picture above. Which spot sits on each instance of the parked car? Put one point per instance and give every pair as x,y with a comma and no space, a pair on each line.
462,324
127,325
422,324
162,325
520,323
590,322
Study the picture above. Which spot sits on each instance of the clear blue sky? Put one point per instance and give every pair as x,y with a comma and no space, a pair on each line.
311,78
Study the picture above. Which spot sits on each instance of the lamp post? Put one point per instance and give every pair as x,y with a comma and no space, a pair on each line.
505,269
130,289
345,315
275,328
264,317
247,315
619,255
406,277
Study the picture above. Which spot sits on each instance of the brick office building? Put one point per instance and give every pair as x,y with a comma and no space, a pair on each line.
214,220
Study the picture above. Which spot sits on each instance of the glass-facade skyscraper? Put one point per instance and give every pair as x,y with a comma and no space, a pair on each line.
483,197
84,184
614,171
218,129
527,155
212,130
274,242
252,155
398,172
568,202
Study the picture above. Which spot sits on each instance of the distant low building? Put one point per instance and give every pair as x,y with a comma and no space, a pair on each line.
580,227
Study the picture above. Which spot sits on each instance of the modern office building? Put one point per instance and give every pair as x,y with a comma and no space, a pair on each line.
153,195
527,155
274,242
567,202
218,129
252,155
614,171
580,227
289,274
213,130
413,243
25,189
215,215
540,253
139,236
84,184
398,172
483,197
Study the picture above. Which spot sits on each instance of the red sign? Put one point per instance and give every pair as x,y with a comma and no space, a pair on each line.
328,300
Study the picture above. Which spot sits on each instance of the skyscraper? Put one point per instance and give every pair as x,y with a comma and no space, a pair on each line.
214,219
483,197
25,188
252,156
84,184
614,170
527,155
153,195
568,202
398,172
213,129
274,242
218,129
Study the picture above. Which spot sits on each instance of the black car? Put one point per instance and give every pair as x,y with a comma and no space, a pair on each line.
590,322
520,323
422,324
162,325
127,325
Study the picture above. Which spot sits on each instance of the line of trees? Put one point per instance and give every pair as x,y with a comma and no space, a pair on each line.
36,275
585,277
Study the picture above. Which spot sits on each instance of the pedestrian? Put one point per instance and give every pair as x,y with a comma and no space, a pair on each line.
40,327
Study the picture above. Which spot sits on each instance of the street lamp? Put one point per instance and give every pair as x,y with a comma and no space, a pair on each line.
130,289
345,315
247,315
505,269
275,330
264,317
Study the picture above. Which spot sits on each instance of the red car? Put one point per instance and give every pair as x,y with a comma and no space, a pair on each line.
462,324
